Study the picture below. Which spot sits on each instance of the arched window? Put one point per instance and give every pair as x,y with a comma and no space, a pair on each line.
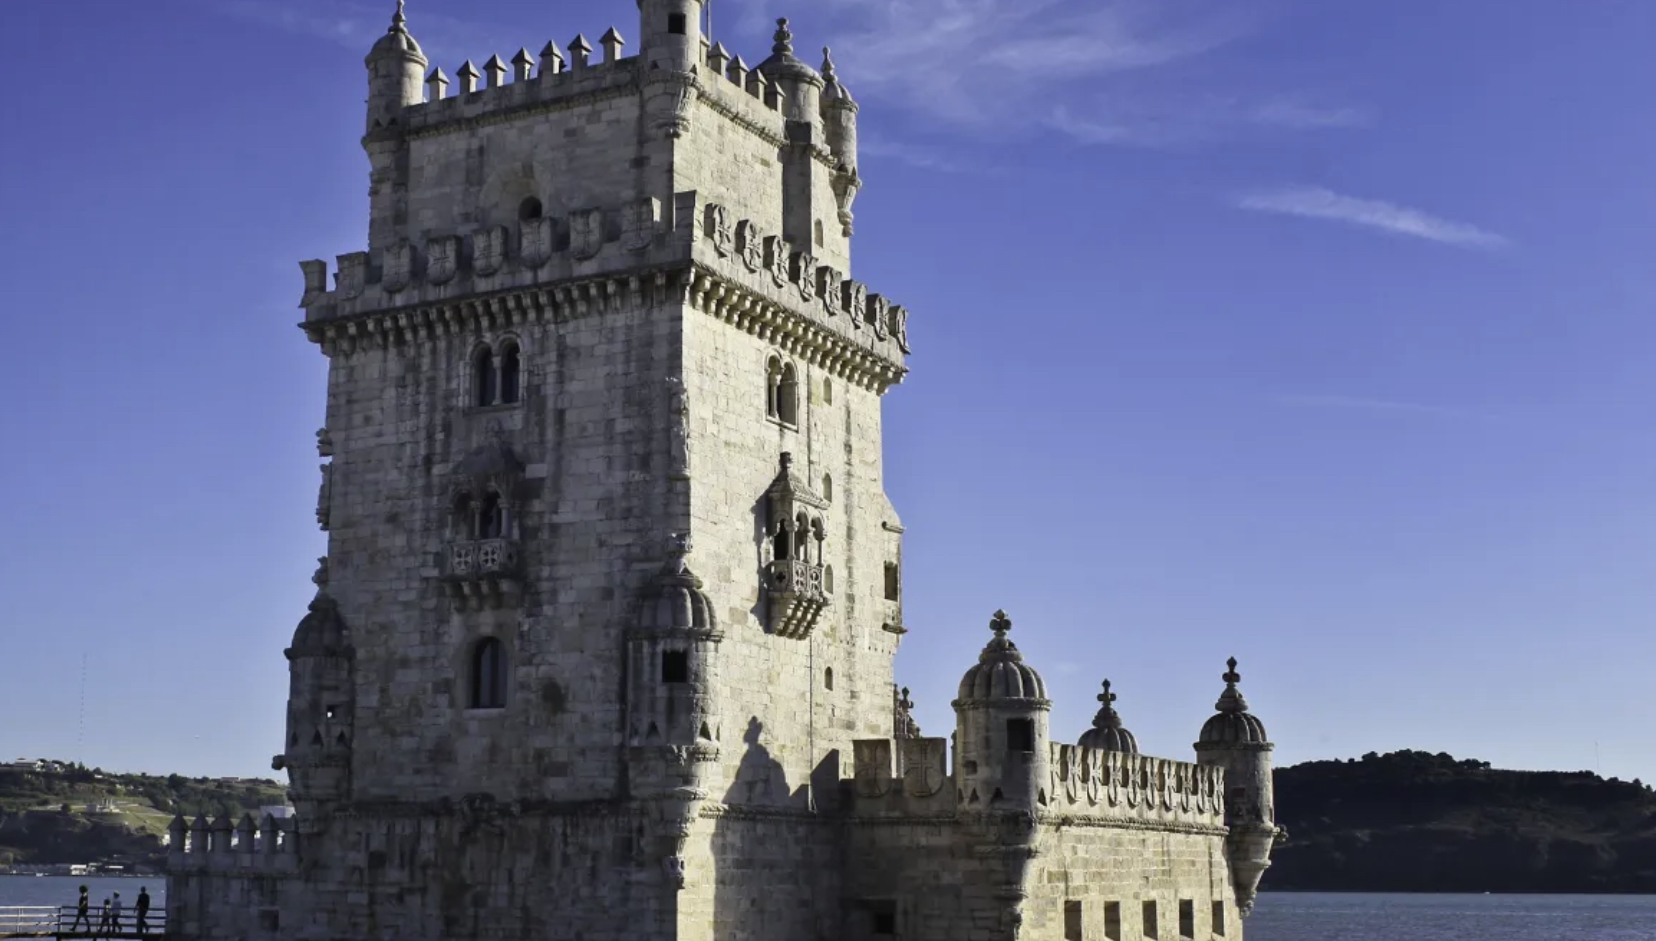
802,538
511,383
463,524
488,674
491,518
891,581
787,396
828,678
529,210
828,579
828,487
781,547
819,233
828,392
773,382
484,381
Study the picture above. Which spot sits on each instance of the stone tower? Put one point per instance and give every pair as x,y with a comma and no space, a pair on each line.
603,644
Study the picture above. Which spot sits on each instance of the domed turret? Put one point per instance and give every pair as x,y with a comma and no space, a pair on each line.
396,74
1235,740
321,704
798,83
1001,728
839,115
1107,733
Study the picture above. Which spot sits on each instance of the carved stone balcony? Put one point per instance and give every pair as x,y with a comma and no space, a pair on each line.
484,572
796,599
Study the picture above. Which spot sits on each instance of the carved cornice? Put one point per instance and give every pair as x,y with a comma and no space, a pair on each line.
797,335
563,301
441,124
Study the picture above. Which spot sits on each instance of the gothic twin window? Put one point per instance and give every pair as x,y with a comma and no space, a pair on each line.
488,674
781,391
800,542
479,519
497,375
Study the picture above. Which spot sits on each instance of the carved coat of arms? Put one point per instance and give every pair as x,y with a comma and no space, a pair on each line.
442,259
489,250
586,233
776,259
879,314
353,273
535,242
639,226
750,242
718,230
399,267
830,287
804,275
899,327
856,302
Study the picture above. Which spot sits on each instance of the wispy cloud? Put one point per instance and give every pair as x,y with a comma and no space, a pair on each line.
1355,403
1300,114
1312,202
924,158
356,24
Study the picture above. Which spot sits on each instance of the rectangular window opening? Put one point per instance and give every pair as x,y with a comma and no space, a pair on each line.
1219,918
1020,734
676,24
1187,918
1150,919
1112,921
1072,921
891,581
330,712
675,666
884,916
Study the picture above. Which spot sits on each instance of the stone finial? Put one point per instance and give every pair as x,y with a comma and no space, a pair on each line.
523,65
580,53
784,38
1231,699
399,22
468,76
1000,624
612,43
552,60
496,71
718,58
829,74
438,83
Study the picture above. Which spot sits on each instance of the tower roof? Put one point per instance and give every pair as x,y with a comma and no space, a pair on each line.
1107,732
397,41
675,601
782,64
1233,725
1000,673
833,90
322,631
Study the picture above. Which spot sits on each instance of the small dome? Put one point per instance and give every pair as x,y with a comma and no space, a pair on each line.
832,89
782,64
1233,725
1107,733
1000,673
676,601
397,41
321,633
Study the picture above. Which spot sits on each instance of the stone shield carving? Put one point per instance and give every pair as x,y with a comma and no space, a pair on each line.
639,225
804,275
750,243
442,259
879,314
718,230
856,302
776,259
586,233
535,242
831,288
899,327
353,273
489,250
399,267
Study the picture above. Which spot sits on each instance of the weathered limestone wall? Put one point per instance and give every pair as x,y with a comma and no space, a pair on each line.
589,430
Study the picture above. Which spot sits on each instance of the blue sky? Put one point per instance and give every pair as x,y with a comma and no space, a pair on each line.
1314,333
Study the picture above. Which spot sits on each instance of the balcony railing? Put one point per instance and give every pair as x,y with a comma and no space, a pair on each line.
796,598
483,570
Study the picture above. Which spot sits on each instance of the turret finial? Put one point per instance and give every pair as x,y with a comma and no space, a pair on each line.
828,65
1108,718
1231,677
1000,624
399,22
784,38
1107,697
1231,700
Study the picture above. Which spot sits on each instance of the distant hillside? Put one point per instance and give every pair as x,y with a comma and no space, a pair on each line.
67,813
1415,822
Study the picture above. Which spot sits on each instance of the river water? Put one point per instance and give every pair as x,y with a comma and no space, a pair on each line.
1278,916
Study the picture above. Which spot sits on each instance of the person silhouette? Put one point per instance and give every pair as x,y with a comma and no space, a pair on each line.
115,916
103,922
82,916
143,908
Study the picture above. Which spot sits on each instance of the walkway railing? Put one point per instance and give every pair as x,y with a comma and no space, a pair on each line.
51,921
